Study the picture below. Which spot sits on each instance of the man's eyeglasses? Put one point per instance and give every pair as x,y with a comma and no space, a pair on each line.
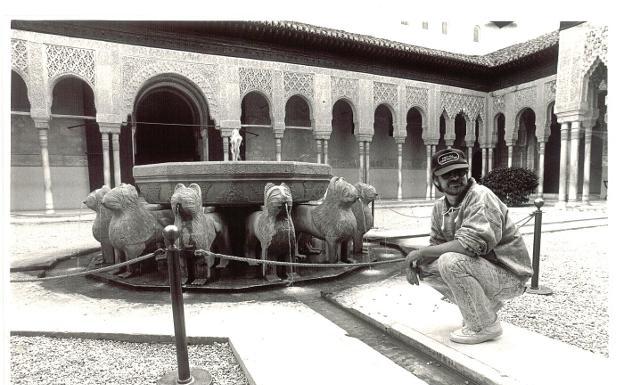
459,172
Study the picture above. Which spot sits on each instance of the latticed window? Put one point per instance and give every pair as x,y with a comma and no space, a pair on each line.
444,27
475,34
425,25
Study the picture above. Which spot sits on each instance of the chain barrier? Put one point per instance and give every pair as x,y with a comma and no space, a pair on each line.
100,270
205,253
252,261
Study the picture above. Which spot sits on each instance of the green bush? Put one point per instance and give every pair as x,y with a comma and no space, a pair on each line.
512,185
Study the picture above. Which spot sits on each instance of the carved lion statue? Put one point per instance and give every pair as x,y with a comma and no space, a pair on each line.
100,224
272,229
363,213
332,220
198,230
132,229
235,142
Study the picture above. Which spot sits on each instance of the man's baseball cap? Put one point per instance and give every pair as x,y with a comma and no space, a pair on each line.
447,160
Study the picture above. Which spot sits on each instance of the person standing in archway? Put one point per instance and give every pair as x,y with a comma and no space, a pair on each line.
477,257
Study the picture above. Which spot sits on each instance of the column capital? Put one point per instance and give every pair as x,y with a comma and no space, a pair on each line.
399,139
229,124
431,142
278,134
364,137
41,124
107,127
321,135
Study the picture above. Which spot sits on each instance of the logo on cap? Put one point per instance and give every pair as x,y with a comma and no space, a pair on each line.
446,158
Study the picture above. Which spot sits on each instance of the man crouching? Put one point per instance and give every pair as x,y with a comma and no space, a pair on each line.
477,257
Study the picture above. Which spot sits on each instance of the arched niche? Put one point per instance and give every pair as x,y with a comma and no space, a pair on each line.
256,128
298,143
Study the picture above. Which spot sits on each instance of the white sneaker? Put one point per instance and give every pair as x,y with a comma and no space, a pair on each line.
466,335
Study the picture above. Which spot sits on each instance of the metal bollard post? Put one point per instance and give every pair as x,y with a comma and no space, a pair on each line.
373,212
183,375
537,235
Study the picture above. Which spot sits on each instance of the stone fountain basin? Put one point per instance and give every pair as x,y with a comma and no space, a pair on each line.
232,183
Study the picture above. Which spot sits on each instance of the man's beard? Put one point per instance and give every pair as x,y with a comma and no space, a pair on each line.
456,188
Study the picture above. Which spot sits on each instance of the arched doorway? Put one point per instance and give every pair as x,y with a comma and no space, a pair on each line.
500,151
460,133
257,131
477,155
170,123
343,147
384,154
414,157
552,154
527,154
298,143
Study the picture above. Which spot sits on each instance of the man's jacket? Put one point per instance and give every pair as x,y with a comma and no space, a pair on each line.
481,223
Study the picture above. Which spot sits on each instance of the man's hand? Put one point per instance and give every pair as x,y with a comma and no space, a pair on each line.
412,267
413,259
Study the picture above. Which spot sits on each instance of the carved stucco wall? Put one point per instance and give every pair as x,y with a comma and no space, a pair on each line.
454,103
344,88
19,58
385,93
64,60
417,97
579,49
256,79
136,71
296,83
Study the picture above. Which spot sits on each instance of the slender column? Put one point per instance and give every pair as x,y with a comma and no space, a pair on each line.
575,132
361,173
400,171
278,149
469,161
319,151
367,157
205,144
483,161
106,158
226,147
540,168
449,142
326,151
563,163
133,139
43,127
510,155
490,156
116,161
428,188
587,164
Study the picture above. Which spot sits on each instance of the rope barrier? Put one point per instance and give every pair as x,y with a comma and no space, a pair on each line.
528,218
100,270
205,253
406,215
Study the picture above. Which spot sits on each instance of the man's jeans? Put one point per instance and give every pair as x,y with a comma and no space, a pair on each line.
476,286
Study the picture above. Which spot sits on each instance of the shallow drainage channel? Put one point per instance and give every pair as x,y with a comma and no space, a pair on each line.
421,365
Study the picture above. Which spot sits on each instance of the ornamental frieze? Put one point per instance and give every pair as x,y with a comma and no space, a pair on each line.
299,83
63,60
19,56
416,97
138,70
453,103
255,79
499,103
385,93
344,88
550,91
595,47
526,97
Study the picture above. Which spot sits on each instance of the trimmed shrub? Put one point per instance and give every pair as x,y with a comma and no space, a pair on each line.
512,185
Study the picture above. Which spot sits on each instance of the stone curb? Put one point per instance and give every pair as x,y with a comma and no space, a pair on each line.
48,264
139,338
471,368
